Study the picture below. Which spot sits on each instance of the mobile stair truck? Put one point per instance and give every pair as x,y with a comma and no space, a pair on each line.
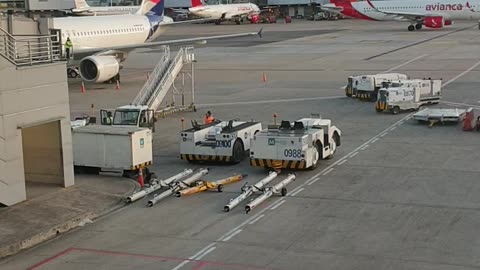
296,145
225,141
366,87
401,95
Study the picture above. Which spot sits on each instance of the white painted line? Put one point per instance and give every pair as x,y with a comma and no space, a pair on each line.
277,205
354,154
365,147
329,171
255,220
460,104
383,134
393,128
403,64
266,101
315,180
232,235
277,202
461,74
376,139
182,264
296,192
343,161
205,253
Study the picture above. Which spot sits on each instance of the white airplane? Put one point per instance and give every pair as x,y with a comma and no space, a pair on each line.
82,8
428,13
102,43
237,12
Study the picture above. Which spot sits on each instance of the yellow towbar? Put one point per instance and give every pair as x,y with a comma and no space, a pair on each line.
202,185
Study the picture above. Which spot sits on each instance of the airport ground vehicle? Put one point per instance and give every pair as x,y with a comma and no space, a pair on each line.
139,116
396,96
97,147
296,145
366,86
227,141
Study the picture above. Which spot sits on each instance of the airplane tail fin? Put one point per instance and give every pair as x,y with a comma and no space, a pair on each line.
154,7
81,4
197,3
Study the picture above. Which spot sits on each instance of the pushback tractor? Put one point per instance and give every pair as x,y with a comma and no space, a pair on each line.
297,145
225,141
365,87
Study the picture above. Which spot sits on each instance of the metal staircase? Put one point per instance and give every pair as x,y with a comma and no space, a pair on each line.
32,50
162,78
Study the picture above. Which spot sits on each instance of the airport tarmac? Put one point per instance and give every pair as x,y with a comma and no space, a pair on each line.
397,194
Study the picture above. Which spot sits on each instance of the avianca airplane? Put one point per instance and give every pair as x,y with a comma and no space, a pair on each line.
82,8
428,13
102,43
237,12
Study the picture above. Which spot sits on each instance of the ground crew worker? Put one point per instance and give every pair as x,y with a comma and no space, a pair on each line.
109,119
68,47
208,118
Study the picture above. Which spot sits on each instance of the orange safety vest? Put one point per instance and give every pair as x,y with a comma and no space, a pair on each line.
208,119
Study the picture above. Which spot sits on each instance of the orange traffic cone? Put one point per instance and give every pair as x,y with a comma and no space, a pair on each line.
140,177
264,78
82,88
117,87
468,124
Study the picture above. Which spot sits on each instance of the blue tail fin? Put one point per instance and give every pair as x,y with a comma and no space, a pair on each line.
152,7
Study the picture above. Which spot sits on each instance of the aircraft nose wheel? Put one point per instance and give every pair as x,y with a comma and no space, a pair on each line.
418,26
411,27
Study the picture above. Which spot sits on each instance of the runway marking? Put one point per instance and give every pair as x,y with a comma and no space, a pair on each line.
406,63
460,104
232,235
343,161
365,147
255,220
266,101
278,205
311,183
376,140
328,171
461,74
205,253
296,192
275,203
383,134
393,128
354,154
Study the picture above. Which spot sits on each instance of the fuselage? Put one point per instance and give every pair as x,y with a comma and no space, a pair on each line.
230,10
110,10
448,9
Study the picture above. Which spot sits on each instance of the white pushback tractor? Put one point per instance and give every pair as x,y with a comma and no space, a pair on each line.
366,87
402,95
226,141
297,145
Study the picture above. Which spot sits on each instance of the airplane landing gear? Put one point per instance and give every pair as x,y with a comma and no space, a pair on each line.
411,27
418,26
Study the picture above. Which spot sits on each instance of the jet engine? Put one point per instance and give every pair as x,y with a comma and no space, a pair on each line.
254,19
99,68
434,22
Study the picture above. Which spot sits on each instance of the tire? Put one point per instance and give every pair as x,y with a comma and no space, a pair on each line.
316,160
334,146
378,110
129,174
238,152
220,188
73,73
396,110
284,191
418,26
411,27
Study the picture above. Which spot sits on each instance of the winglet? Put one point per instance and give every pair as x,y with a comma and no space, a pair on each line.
259,33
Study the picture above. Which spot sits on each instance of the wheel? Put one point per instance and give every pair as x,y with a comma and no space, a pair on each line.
373,97
316,156
129,174
378,110
395,110
411,27
238,152
333,146
217,22
72,73
220,188
284,191
418,26
237,22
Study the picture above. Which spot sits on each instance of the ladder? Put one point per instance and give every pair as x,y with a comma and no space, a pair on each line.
162,78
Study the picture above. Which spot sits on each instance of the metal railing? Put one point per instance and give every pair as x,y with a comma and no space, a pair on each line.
30,51
145,93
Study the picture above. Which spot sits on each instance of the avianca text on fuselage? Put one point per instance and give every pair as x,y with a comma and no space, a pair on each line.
438,6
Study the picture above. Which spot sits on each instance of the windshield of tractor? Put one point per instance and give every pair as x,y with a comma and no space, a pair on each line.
126,117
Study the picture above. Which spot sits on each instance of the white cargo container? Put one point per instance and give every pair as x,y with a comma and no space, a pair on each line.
367,86
408,94
97,147
297,145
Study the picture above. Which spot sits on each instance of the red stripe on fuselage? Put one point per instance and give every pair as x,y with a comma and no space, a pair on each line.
350,11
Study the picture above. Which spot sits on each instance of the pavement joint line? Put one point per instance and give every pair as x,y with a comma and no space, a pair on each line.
278,205
460,104
266,101
296,192
205,253
256,219
461,74
329,171
232,235
343,162
404,64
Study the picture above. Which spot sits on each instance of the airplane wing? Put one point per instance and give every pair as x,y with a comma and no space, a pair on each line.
156,44
331,8
188,21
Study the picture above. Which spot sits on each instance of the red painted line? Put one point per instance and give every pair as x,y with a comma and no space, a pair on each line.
126,254
200,265
50,259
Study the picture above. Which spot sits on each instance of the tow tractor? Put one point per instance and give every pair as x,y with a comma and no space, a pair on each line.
296,145
401,95
366,87
227,141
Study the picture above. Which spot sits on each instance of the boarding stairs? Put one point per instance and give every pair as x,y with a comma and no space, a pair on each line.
30,50
162,78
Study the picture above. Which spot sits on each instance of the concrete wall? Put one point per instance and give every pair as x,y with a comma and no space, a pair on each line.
30,97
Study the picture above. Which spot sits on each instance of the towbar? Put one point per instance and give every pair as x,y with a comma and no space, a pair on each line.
278,188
